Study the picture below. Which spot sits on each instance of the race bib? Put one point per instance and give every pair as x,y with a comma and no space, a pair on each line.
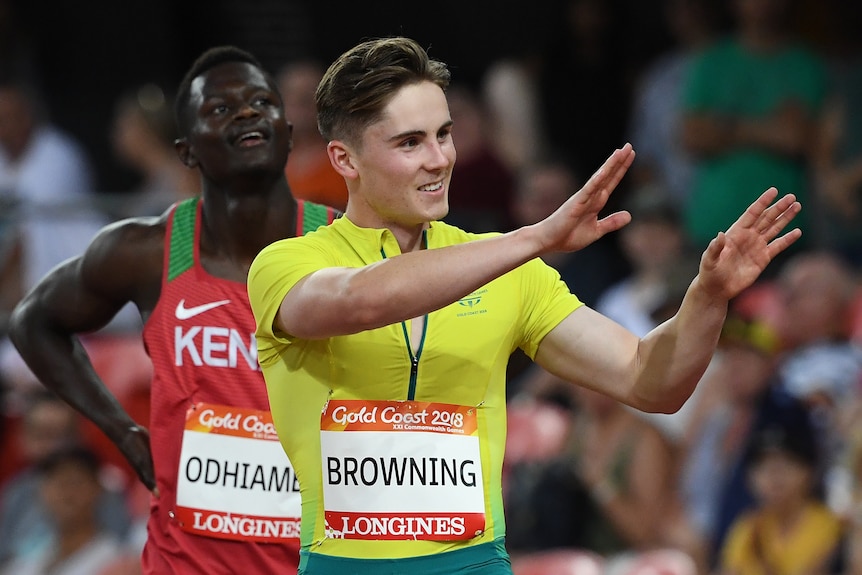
401,470
235,481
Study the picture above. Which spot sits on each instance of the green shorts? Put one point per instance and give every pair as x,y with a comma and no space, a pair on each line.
485,559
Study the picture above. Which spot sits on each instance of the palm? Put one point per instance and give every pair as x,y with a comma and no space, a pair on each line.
735,258
576,223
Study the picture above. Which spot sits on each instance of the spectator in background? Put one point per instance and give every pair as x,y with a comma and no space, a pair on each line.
821,366
608,492
732,392
789,532
817,372
510,93
656,119
838,151
26,524
482,185
47,174
48,202
309,171
69,489
655,246
749,109
142,137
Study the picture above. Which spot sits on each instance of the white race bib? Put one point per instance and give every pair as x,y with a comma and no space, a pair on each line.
235,481
401,470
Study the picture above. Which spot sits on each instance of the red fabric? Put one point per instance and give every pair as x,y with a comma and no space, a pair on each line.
175,388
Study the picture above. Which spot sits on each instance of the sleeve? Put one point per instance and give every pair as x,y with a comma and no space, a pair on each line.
275,270
545,302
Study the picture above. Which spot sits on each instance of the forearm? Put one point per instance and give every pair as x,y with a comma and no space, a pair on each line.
62,365
673,357
402,287
770,135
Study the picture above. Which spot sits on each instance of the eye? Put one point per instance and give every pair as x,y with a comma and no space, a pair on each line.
264,101
444,134
410,143
219,109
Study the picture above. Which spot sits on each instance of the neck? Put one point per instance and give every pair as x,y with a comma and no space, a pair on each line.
787,515
239,222
410,240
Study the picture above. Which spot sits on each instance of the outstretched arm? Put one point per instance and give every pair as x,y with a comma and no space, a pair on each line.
349,300
660,371
43,328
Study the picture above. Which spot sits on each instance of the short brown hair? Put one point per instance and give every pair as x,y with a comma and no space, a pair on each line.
359,84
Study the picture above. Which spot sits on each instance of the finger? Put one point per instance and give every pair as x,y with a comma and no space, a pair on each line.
609,174
778,245
155,492
713,250
780,222
613,222
775,211
752,214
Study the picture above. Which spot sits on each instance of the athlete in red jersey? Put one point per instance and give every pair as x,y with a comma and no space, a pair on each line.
225,498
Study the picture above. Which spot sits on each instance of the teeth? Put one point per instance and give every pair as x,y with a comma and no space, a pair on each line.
251,135
432,187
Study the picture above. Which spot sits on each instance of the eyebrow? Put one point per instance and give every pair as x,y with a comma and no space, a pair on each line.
413,133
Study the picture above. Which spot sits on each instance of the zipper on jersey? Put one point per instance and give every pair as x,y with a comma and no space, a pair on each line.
414,358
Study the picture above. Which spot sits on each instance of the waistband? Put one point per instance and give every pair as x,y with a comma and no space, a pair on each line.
484,559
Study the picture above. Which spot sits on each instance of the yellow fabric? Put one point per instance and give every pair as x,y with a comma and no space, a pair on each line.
463,361
799,551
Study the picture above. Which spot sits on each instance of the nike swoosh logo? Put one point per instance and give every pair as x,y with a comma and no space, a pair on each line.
189,312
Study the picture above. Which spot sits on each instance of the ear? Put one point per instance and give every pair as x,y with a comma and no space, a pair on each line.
342,158
184,151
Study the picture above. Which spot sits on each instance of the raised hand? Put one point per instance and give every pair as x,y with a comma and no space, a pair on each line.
576,223
734,259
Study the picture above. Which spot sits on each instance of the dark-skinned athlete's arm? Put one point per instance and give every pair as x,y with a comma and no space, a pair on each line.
80,296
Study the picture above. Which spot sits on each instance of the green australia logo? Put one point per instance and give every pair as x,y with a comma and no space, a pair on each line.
471,302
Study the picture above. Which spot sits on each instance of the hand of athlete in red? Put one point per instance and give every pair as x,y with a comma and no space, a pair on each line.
135,446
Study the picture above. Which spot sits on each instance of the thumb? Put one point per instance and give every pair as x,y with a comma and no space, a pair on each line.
713,250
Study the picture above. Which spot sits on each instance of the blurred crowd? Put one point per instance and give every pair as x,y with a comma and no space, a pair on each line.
760,473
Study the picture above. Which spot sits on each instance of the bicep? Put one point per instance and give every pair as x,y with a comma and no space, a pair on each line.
319,305
64,301
121,264
588,349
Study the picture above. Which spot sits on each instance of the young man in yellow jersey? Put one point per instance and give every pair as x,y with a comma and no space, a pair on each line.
384,337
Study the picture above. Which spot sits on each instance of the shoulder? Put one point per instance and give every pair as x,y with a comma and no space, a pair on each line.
130,250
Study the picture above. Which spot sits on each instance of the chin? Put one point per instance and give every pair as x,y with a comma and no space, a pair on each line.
438,211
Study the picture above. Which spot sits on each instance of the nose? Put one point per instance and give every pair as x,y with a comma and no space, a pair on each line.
247,110
438,155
